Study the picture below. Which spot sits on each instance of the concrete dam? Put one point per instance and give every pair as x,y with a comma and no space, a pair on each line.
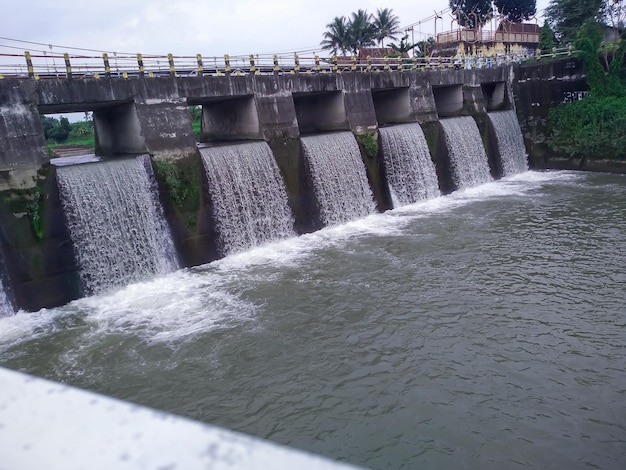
279,155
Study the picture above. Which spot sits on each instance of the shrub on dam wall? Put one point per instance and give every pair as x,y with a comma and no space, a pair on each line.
594,126
181,179
591,128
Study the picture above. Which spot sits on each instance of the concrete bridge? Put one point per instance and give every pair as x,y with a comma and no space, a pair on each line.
150,115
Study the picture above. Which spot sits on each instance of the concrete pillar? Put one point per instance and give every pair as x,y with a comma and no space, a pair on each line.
22,142
359,105
165,126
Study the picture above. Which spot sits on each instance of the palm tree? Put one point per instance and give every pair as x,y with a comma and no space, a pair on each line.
404,47
361,30
337,37
387,25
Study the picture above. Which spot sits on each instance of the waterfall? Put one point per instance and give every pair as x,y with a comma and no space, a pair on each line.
339,178
468,161
116,222
408,167
6,306
510,142
249,199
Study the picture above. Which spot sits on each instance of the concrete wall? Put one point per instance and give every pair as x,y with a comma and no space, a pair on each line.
538,87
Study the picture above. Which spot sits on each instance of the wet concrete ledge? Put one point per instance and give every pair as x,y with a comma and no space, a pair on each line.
50,425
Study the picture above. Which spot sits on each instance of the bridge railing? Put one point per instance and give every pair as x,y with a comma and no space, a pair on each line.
45,66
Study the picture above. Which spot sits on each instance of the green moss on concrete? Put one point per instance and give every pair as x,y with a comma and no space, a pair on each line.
182,182
26,205
369,143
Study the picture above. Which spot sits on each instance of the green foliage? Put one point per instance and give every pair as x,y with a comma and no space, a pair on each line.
546,37
567,16
425,48
369,142
404,46
386,25
60,131
471,14
35,213
516,10
181,180
592,128
196,120
360,30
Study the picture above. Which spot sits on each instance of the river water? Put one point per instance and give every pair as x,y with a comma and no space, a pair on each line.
484,329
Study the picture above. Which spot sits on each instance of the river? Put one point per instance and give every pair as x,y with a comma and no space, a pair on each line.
483,329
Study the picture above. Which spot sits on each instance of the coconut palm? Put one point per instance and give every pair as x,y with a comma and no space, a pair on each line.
337,37
386,24
361,30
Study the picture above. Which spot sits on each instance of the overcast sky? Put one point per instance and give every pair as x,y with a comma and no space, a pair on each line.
187,27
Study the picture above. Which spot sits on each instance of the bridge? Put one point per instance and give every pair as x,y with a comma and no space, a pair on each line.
139,104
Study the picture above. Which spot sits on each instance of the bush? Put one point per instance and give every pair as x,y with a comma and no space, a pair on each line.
593,128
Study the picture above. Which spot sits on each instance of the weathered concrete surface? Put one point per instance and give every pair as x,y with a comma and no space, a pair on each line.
68,429
539,87
22,143
36,246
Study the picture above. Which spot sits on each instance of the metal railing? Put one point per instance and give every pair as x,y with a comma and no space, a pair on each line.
46,66
486,36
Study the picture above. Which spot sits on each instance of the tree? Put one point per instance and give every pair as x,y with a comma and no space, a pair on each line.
425,48
516,11
567,16
337,37
471,14
614,13
404,47
361,30
386,25
61,131
546,37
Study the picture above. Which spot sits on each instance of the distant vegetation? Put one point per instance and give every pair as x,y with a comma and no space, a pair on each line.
196,120
346,35
360,30
61,132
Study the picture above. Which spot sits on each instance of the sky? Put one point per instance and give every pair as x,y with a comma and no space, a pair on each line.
188,27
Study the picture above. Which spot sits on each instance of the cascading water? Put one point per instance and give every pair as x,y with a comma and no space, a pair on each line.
248,195
510,142
339,178
468,161
6,306
116,222
408,167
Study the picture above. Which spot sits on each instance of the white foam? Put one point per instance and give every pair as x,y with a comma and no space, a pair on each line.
25,325
182,304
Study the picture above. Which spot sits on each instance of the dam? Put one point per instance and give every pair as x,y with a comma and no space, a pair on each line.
277,155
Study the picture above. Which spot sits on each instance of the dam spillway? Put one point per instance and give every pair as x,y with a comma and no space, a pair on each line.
468,160
408,165
248,196
510,142
116,223
340,184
